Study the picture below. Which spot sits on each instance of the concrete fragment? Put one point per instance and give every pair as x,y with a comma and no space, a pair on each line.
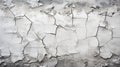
114,21
87,47
105,53
34,3
113,45
79,14
104,35
35,50
51,44
50,63
116,32
92,24
63,20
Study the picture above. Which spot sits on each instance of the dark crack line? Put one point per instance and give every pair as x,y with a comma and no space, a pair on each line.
106,25
15,19
23,52
54,23
18,35
111,37
56,56
71,6
86,25
42,40
58,26
31,23
55,31
44,45
72,16
99,47
56,50
37,36
47,13
86,22
102,14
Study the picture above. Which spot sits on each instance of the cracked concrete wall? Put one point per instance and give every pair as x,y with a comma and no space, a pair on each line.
59,33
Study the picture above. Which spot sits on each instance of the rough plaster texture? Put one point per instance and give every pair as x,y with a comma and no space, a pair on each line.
59,33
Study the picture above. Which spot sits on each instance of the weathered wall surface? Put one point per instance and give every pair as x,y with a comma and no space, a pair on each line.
59,33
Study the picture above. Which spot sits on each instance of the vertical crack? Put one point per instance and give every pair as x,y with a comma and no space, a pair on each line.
19,35
105,22
42,40
58,26
87,21
72,16
23,52
56,50
111,36
21,39
25,55
15,19
54,22
31,23
86,24
99,47
44,45
13,15
107,25
71,6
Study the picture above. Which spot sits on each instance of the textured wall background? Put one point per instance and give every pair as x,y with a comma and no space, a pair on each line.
59,33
